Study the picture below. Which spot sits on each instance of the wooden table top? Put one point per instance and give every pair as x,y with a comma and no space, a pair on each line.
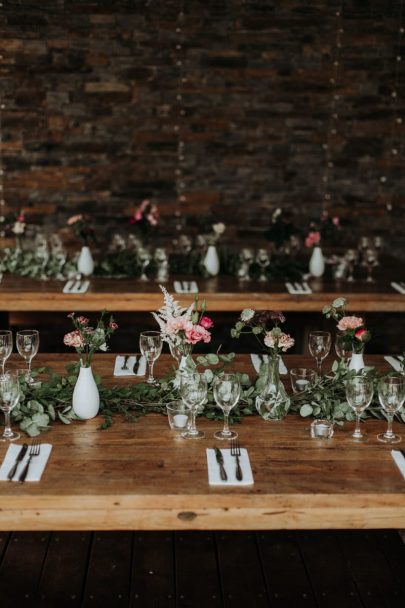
223,294
140,476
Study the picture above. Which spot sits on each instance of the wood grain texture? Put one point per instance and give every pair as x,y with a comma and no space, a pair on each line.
138,476
223,294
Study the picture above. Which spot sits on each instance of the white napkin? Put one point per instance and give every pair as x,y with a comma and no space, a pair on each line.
73,286
257,360
399,461
398,287
37,466
185,287
214,478
395,363
119,362
298,288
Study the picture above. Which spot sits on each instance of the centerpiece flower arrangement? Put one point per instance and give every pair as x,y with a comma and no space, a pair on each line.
82,229
145,217
272,401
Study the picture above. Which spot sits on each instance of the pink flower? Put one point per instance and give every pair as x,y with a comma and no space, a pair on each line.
312,239
74,338
206,322
75,218
283,341
336,222
113,325
197,334
176,324
82,320
349,323
361,334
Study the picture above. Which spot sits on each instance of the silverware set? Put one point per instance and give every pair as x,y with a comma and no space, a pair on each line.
299,288
136,367
186,286
34,450
236,453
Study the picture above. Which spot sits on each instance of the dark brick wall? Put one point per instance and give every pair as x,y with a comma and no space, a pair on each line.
97,106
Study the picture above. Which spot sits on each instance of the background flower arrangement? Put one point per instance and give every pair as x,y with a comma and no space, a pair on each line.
82,229
145,217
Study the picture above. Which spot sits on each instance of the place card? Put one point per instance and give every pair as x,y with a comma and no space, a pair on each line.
37,465
398,287
72,286
119,363
258,359
298,288
399,460
214,478
185,287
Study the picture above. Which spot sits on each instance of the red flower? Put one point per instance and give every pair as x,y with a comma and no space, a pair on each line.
206,322
113,325
361,334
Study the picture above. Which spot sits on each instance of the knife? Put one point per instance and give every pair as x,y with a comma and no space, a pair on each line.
19,458
220,461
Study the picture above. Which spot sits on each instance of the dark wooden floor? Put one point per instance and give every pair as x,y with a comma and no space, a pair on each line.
202,569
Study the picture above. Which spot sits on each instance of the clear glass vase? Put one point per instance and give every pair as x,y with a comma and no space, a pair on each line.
272,401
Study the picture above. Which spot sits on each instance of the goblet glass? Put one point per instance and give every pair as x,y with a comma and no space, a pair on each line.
370,261
343,348
359,393
144,260
391,393
301,379
9,396
263,260
319,346
150,344
351,258
193,391
226,394
6,346
27,342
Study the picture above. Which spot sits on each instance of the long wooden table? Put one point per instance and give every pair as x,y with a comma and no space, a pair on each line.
223,293
140,476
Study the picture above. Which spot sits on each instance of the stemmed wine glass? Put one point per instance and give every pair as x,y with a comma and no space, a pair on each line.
319,346
351,258
263,260
359,393
343,348
6,346
27,341
193,392
150,343
9,396
226,394
370,261
391,393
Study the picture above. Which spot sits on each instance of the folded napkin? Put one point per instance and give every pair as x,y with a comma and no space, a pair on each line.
399,460
214,478
119,362
257,361
37,466
395,363
185,287
298,288
398,287
73,286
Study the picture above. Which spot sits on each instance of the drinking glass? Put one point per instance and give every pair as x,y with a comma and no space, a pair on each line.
150,343
226,394
319,346
193,391
301,379
391,393
359,393
343,348
370,261
27,342
9,396
6,346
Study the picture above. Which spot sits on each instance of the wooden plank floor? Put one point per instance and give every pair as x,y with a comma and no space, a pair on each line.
353,569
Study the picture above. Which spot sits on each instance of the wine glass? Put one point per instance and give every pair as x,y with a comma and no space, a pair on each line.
226,394
150,343
359,393
9,396
351,258
263,260
370,260
391,393
6,346
319,346
27,341
343,348
193,392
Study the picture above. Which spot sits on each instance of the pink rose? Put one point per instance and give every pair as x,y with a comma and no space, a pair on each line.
312,239
176,324
197,334
206,322
74,338
349,323
113,325
361,334
75,218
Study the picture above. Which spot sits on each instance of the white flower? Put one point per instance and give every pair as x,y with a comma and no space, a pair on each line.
247,314
219,228
18,228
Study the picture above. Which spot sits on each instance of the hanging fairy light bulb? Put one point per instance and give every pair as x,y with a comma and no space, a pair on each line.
180,184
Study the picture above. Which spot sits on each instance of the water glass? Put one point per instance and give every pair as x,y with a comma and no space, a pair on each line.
193,391
391,393
6,346
9,397
150,344
27,342
359,393
178,415
301,379
319,346
227,391
343,348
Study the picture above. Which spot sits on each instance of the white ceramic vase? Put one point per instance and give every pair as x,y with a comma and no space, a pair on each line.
317,262
211,261
356,362
85,263
86,398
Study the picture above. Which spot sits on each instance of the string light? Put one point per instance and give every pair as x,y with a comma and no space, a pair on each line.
180,110
2,194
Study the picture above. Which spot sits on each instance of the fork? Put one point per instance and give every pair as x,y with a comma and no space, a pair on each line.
34,451
125,363
235,451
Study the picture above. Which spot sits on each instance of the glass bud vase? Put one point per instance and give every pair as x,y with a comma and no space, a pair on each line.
272,401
